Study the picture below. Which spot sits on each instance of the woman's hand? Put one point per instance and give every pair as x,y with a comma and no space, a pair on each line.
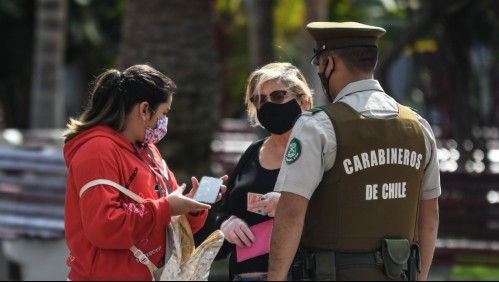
195,185
267,203
237,232
180,204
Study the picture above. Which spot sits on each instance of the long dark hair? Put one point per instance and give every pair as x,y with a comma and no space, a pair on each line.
115,93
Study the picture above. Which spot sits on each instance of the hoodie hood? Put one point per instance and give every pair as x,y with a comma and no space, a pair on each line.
75,144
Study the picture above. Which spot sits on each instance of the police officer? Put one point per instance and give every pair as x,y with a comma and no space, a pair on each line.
360,180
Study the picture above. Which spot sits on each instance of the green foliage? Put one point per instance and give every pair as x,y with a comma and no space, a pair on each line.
232,23
228,6
289,16
474,273
368,11
288,24
357,9
233,20
390,14
94,32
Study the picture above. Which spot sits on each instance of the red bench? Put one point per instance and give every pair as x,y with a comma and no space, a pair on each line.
469,220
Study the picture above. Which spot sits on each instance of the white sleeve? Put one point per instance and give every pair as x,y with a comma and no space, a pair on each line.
430,188
310,152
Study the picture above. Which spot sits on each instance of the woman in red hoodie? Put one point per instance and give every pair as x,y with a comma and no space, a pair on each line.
114,140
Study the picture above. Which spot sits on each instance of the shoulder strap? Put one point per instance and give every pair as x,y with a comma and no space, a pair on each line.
142,258
137,253
122,189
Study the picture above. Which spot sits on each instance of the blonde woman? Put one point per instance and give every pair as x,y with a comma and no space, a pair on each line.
276,95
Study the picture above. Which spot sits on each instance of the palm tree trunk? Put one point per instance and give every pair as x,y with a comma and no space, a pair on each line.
261,31
177,38
316,11
47,98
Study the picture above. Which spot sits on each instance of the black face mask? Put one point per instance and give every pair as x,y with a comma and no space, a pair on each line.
279,118
325,80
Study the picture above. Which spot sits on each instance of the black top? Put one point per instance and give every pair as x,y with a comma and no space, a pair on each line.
249,176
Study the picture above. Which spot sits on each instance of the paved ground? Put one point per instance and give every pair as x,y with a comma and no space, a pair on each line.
439,273
3,265
40,260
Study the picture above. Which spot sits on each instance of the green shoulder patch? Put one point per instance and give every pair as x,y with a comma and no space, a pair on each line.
316,110
293,152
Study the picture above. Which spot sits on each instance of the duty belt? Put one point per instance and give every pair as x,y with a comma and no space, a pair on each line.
326,263
345,259
397,258
348,259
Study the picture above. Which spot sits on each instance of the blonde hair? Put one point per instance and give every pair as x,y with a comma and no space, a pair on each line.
285,73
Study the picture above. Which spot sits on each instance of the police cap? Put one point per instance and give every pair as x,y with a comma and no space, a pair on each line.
337,35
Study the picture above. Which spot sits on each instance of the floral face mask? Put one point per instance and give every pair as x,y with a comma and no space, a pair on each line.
154,135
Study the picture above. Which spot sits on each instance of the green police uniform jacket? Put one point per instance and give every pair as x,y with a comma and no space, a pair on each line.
373,189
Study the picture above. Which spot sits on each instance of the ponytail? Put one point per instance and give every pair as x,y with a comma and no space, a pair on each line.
115,93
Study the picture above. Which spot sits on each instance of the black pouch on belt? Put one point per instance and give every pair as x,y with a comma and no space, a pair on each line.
395,254
325,266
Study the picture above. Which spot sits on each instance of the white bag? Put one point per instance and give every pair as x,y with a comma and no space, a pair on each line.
187,263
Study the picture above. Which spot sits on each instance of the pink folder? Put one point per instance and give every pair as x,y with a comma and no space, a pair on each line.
261,246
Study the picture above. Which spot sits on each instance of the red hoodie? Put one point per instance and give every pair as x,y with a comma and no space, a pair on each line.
103,224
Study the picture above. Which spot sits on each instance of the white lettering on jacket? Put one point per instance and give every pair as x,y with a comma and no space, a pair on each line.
380,157
388,191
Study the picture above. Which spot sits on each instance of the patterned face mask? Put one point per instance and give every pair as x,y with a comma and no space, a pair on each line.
154,135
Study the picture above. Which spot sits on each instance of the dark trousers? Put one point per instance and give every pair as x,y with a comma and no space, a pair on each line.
368,273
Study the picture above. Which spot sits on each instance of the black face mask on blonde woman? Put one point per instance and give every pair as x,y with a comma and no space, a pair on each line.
279,118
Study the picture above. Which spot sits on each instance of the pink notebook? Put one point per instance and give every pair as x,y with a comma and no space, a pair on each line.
261,246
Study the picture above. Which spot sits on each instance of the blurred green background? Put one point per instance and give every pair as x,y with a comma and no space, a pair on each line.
439,57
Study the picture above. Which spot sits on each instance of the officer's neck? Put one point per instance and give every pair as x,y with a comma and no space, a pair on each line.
345,78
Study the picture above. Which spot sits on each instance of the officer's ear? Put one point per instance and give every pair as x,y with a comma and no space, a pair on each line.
327,62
